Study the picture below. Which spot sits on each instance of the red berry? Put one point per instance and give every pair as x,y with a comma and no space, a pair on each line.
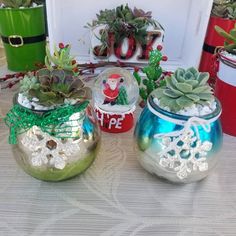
164,58
61,45
159,47
73,62
76,69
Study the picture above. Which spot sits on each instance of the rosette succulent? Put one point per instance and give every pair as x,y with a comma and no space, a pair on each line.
183,89
53,87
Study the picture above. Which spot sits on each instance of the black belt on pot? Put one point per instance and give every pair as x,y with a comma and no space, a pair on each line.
208,48
18,41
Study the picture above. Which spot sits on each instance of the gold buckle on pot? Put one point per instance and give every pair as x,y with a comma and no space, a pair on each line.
21,43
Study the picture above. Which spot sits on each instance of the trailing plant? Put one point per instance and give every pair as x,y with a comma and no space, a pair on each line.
224,9
153,72
230,39
183,89
53,87
61,58
122,22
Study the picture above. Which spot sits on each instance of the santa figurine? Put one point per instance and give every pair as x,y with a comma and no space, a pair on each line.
111,88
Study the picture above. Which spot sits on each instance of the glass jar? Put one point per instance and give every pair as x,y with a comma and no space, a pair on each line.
54,147
181,149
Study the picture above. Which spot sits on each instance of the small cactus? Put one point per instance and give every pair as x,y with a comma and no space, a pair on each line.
183,89
230,39
153,73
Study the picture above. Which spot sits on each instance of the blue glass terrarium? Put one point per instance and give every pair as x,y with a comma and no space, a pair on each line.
179,148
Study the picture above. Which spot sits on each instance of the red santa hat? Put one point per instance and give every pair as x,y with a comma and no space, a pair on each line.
114,76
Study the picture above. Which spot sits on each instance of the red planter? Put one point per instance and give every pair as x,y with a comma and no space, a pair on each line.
213,40
115,122
225,91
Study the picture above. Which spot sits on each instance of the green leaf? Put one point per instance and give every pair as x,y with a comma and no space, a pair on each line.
183,87
193,97
184,102
203,78
193,82
206,96
193,70
170,93
202,89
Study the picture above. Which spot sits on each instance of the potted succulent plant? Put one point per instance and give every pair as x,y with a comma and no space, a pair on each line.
178,134
53,131
112,26
223,14
22,29
225,88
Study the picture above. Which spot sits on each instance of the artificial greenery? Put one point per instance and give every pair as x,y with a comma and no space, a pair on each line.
122,22
52,87
183,89
224,9
153,72
61,58
230,39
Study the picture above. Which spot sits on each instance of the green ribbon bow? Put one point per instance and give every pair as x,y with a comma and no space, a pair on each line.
20,120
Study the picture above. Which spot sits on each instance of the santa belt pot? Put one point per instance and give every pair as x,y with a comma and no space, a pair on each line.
18,41
115,122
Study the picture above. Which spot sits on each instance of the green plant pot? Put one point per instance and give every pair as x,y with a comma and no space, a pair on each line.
26,46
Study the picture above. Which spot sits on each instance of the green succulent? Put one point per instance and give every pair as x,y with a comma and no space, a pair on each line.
122,22
54,86
61,59
224,9
152,71
183,89
230,39
17,3
28,82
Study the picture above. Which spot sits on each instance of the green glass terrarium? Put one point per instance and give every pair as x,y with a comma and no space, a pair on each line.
53,130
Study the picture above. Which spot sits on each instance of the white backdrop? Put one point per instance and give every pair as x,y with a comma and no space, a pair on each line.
185,23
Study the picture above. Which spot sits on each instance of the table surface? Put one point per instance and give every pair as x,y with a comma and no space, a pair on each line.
115,196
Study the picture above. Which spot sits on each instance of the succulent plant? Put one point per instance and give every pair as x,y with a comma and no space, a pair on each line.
54,87
61,59
153,73
17,3
230,39
224,9
122,22
28,82
183,89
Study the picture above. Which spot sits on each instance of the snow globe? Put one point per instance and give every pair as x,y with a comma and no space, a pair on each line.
178,134
115,93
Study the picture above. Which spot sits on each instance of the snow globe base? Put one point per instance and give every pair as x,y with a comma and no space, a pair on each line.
115,122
